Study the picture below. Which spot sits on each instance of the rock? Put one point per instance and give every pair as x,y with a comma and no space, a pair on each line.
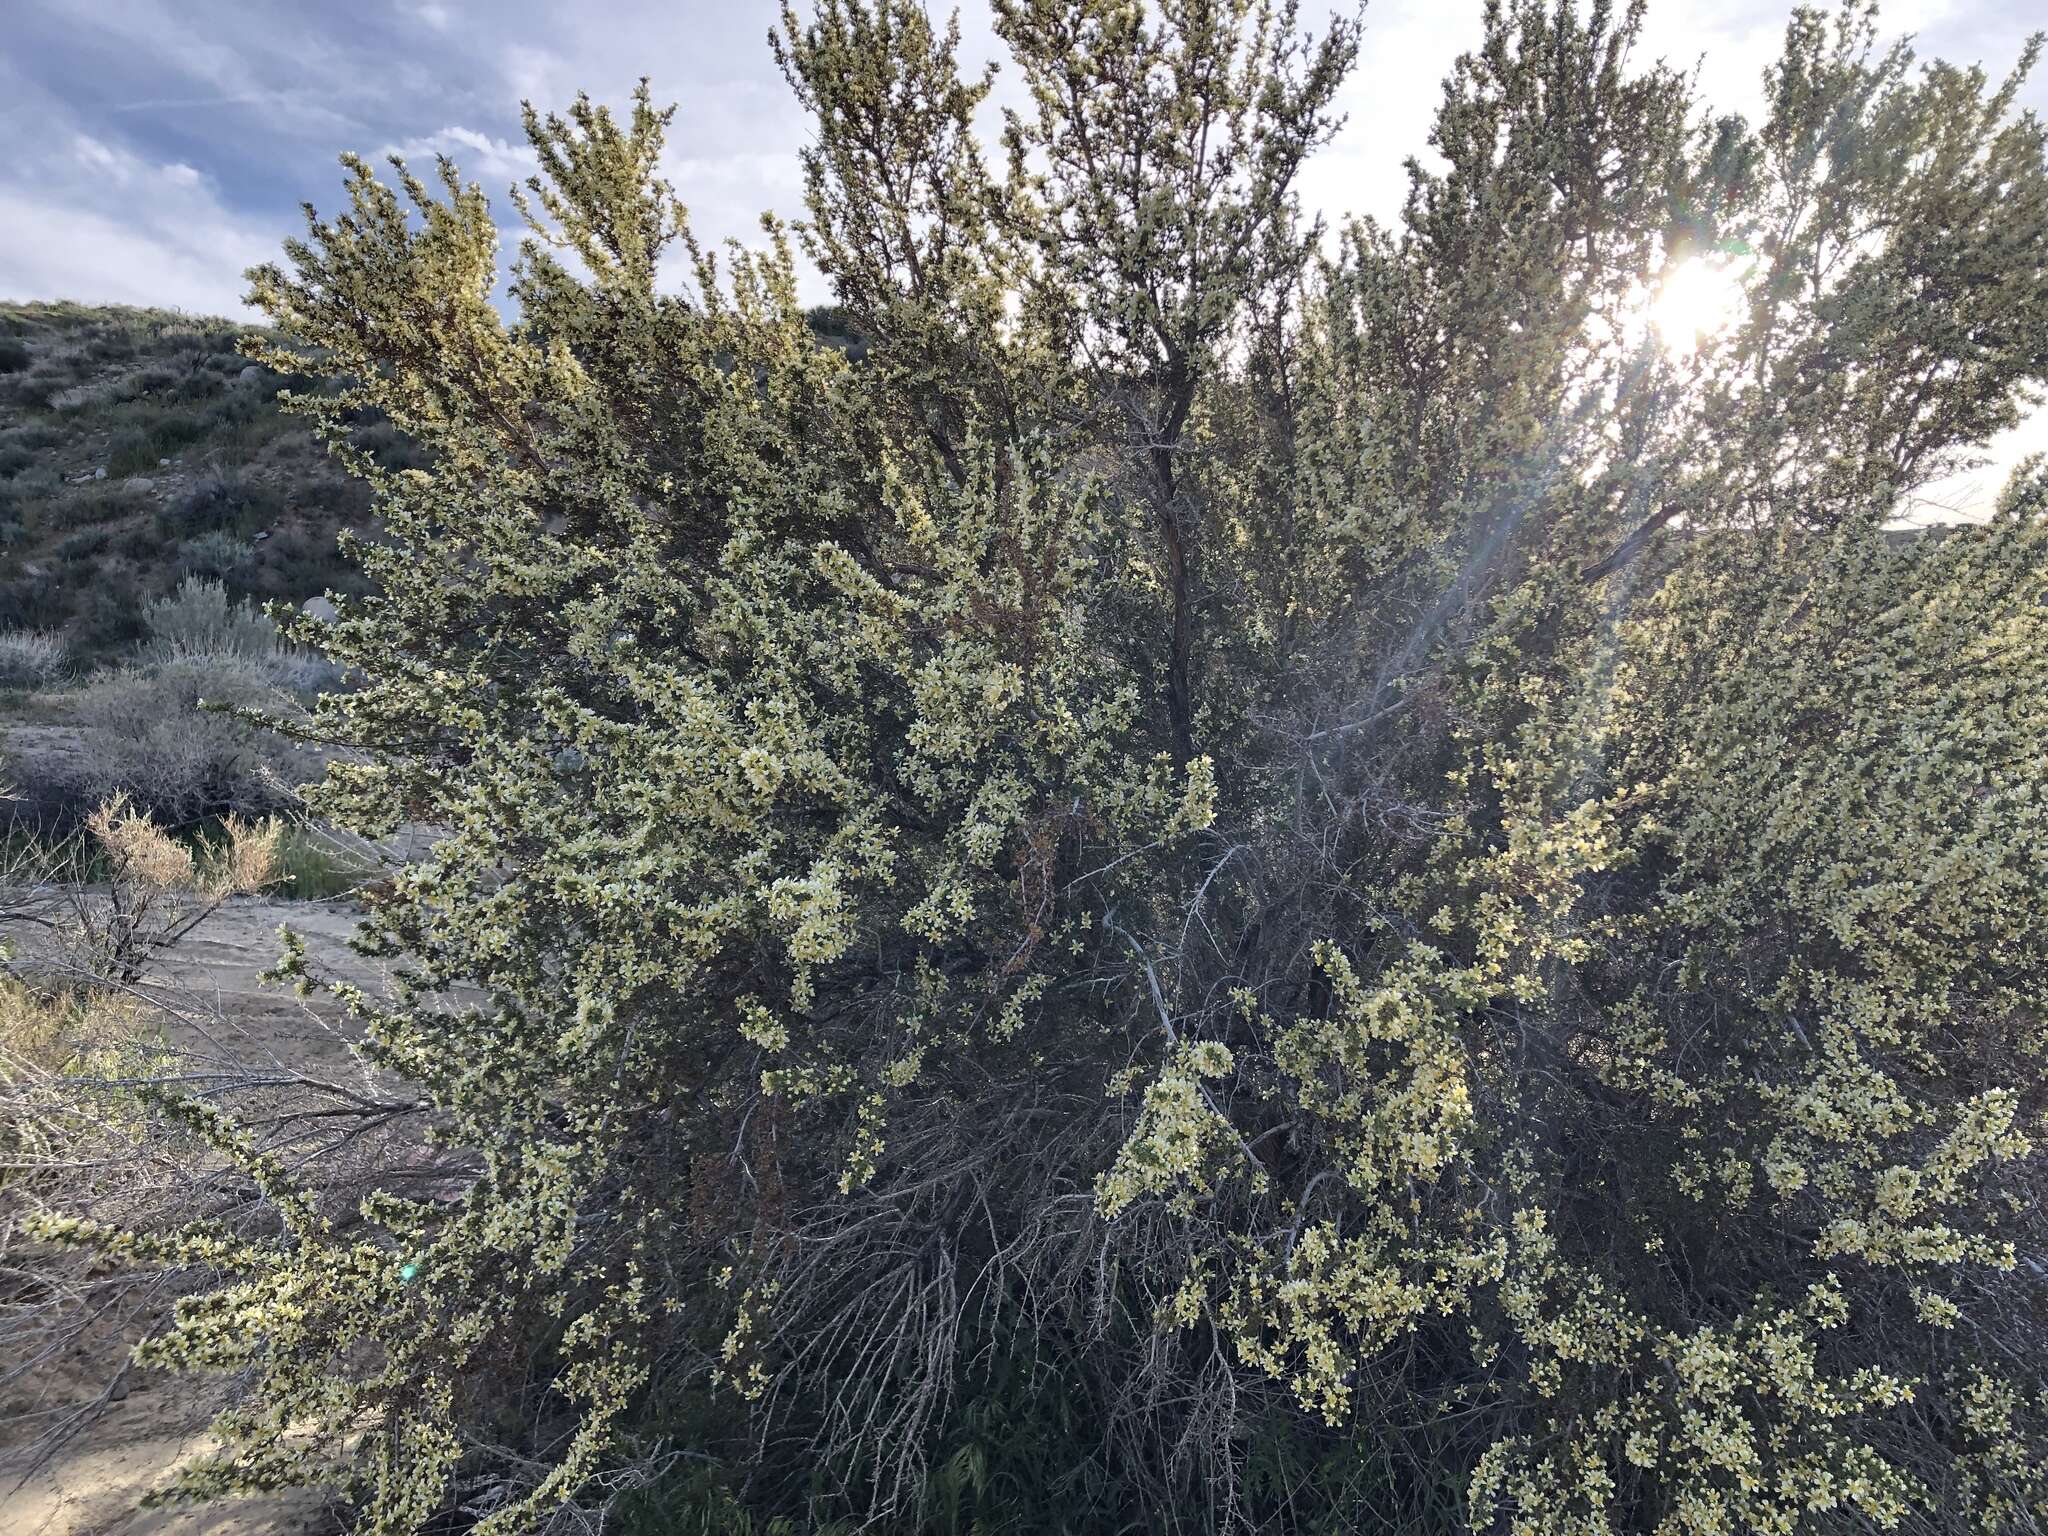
250,374
138,485
319,608
163,463
100,473
259,538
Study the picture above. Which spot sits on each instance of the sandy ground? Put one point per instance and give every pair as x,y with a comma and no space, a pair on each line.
49,752
97,1487
93,1488
217,968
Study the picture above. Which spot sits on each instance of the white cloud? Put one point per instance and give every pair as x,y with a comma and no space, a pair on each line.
98,157
50,249
103,224
538,76
480,157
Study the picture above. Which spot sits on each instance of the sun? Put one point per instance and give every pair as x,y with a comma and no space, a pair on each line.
1700,298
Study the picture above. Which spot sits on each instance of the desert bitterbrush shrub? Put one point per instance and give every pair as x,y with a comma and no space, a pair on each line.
1372,858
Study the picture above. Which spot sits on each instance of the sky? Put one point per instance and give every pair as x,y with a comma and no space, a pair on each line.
157,148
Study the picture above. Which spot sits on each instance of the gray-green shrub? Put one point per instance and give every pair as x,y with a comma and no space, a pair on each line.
146,736
30,658
201,619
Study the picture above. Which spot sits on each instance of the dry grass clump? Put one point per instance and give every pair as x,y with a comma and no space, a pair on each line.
49,1033
160,889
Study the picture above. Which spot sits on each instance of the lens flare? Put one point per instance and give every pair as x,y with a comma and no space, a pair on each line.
1699,299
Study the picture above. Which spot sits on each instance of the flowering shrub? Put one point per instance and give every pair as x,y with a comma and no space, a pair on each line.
1392,882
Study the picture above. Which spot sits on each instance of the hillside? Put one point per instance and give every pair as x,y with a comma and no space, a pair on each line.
139,448
153,496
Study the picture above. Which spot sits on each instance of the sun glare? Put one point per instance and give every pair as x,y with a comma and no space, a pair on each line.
1699,299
